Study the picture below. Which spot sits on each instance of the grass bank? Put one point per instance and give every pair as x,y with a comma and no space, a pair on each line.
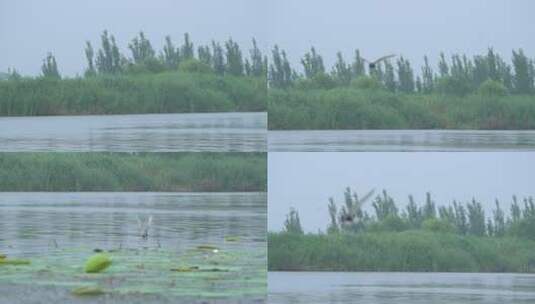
169,92
415,251
355,108
218,172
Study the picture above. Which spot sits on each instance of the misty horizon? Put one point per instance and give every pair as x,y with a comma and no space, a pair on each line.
295,26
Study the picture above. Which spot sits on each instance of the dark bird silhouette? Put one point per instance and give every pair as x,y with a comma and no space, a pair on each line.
373,64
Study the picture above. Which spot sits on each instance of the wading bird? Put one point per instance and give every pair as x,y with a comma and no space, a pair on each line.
373,64
144,226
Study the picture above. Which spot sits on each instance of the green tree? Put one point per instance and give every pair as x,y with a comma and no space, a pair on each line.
342,71
405,76
90,55
428,81
358,65
49,68
108,58
384,206
218,58
523,73
476,218
234,65
187,49
281,74
141,49
205,55
414,214
171,54
257,67
389,77
313,64
292,224
499,220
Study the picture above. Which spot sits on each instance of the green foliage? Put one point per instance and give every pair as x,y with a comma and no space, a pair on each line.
140,172
450,85
390,223
492,88
399,251
524,228
438,225
359,108
366,83
173,92
195,66
50,67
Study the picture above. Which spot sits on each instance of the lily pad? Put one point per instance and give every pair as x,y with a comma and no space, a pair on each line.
87,291
232,239
97,263
5,261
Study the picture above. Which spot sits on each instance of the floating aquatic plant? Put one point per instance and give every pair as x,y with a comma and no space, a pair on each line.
5,261
97,263
87,291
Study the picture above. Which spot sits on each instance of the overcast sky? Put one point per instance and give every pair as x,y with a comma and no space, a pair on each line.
306,180
31,28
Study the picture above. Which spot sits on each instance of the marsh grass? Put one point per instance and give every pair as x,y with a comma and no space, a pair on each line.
219,172
414,251
354,108
169,92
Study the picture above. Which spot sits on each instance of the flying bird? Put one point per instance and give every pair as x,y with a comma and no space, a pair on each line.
373,64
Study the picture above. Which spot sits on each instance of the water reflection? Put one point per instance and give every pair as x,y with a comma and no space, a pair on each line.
401,140
401,288
33,223
217,132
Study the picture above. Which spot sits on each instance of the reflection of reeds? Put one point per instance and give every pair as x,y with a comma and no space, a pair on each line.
219,172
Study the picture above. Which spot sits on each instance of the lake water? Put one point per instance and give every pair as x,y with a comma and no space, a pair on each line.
400,288
198,132
59,231
400,140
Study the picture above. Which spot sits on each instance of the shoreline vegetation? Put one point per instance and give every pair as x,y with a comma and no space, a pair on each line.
124,172
482,92
419,238
176,79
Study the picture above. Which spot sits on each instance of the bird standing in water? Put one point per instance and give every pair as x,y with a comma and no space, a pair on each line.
144,226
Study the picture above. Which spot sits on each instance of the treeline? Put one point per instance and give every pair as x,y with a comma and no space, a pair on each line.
456,75
198,172
219,58
458,218
178,78
458,237
482,92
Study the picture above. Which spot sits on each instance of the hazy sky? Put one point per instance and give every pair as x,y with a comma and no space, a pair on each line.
31,28
306,180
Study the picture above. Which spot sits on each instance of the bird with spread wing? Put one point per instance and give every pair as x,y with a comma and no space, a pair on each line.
373,64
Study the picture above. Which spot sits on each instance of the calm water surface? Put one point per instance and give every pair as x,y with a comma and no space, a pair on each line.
400,288
64,228
400,140
198,132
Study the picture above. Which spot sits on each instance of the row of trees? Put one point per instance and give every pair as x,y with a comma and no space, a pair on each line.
221,59
465,219
458,74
